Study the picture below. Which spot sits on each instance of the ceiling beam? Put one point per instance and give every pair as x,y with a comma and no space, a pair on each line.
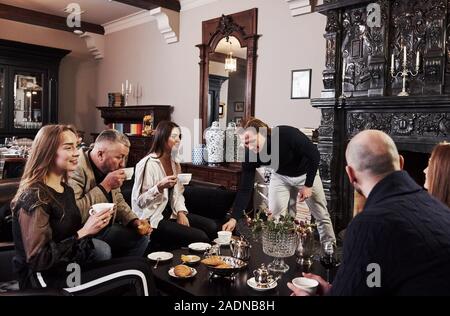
17,14
152,4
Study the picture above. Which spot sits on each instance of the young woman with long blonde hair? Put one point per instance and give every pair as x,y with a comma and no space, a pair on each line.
51,242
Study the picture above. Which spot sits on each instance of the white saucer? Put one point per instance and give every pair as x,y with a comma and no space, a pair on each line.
199,246
217,241
252,283
172,274
160,255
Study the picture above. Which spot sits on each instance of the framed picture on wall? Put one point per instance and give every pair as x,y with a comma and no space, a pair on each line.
238,120
25,82
301,84
239,106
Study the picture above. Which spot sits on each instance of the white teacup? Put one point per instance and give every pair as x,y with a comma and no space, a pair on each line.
224,236
184,178
100,207
306,284
129,173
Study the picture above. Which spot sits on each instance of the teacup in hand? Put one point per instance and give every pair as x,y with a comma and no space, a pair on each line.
129,173
306,284
100,207
184,178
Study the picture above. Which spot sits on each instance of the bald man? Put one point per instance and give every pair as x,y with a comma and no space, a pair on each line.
400,243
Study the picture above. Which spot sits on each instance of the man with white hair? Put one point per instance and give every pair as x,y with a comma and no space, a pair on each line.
400,243
98,179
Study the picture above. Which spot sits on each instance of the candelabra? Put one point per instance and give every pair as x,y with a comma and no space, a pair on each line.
126,91
137,93
405,72
344,70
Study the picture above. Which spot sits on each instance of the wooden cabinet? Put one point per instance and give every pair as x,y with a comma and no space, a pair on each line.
140,145
228,177
28,87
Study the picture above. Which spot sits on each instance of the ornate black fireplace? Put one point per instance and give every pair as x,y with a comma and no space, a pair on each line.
360,93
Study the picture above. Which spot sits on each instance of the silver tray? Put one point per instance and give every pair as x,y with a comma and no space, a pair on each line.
236,265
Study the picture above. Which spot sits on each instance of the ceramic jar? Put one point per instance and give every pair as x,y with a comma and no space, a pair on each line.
215,139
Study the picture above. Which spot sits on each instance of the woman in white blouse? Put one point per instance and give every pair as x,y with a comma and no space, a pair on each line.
158,196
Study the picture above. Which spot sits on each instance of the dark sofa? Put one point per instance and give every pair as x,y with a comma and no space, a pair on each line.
206,200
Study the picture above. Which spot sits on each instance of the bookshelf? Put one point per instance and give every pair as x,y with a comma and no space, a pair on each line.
127,120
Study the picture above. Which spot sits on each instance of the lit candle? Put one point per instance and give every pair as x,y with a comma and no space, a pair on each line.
404,56
122,89
392,63
418,60
130,89
344,66
126,86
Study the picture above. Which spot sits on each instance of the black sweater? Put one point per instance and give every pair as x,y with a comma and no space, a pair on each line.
288,152
45,226
406,232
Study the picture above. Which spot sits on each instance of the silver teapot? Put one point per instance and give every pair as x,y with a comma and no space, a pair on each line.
240,248
263,276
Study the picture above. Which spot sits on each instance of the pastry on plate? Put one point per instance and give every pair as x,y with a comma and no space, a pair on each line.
189,258
213,261
223,266
182,271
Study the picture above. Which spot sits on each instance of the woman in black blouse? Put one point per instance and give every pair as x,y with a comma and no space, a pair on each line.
53,248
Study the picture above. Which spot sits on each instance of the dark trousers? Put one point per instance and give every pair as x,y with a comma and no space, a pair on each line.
124,241
171,235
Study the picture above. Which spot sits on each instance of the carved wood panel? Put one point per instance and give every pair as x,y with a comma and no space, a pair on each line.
398,124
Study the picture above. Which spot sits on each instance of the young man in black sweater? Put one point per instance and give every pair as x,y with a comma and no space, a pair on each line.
295,160
400,243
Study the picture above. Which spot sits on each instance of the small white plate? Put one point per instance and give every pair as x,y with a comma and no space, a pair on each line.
217,241
199,246
190,259
160,255
252,283
172,274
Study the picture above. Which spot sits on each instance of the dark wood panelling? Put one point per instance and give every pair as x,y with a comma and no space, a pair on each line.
151,4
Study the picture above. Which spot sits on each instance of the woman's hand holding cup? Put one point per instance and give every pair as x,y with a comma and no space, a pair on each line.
166,183
95,223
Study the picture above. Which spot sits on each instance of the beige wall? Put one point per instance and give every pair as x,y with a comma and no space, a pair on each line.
77,74
170,73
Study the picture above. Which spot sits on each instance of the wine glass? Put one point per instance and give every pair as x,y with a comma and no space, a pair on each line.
8,142
327,257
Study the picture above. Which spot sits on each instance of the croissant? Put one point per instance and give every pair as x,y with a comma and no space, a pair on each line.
213,261
182,271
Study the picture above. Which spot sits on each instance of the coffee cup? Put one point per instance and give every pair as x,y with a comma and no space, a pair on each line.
184,178
224,236
306,284
100,207
129,173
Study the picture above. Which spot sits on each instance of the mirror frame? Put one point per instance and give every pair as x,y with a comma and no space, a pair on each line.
243,26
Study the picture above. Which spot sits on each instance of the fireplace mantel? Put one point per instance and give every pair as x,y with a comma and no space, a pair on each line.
359,92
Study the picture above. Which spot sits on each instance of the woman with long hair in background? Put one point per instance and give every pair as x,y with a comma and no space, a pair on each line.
437,174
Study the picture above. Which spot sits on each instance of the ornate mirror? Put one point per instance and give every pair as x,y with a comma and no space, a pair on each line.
228,68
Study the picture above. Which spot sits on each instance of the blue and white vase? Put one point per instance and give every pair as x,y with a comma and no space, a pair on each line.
215,139
231,142
197,155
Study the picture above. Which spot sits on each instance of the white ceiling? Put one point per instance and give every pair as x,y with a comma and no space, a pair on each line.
95,11
224,47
